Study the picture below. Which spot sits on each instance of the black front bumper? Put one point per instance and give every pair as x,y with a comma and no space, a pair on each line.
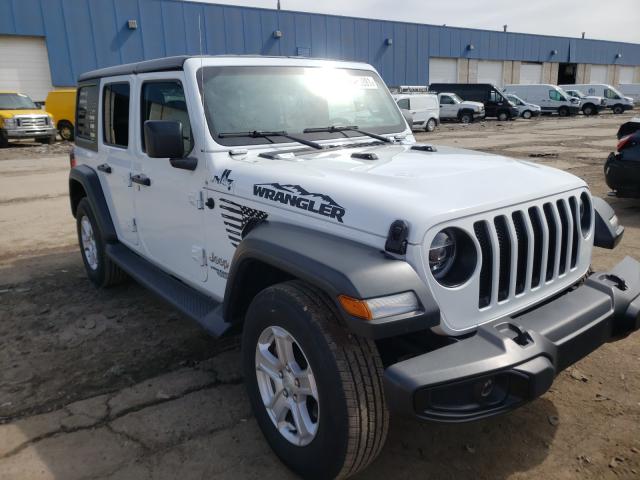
514,360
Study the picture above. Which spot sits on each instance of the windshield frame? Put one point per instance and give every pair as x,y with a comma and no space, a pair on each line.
33,106
237,141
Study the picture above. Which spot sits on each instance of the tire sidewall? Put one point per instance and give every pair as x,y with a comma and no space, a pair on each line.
526,114
466,118
96,276
431,125
324,456
587,110
66,125
617,109
563,111
503,116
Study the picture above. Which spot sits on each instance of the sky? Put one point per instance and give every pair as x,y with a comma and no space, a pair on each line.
600,19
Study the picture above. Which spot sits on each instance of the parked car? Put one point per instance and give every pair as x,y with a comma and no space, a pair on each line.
495,104
550,98
367,273
423,108
452,107
631,90
527,110
622,169
590,105
20,118
614,100
62,105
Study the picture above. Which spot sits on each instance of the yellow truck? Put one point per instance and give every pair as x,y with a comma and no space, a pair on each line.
62,105
21,118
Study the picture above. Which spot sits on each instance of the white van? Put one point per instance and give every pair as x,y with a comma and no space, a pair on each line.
550,98
423,107
631,90
615,100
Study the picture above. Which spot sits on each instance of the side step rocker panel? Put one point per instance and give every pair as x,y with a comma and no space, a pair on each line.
195,305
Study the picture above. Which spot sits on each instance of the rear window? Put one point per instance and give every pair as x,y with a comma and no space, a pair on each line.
404,103
87,117
115,114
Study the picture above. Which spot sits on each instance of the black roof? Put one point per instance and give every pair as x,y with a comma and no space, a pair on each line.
156,65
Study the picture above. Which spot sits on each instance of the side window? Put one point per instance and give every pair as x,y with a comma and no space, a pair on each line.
555,95
166,101
115,114
404,103
493,96
445,100
87,116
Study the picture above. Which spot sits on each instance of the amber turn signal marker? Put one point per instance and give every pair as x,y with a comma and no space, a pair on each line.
355,307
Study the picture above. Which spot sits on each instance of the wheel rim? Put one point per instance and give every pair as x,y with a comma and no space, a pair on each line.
587,111
89,247
65,133
465,119
287,386
527,114
502,117
431,125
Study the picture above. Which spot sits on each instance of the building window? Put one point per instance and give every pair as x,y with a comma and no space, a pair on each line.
115,114
166,101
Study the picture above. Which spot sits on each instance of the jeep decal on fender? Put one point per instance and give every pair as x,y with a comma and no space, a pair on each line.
298,197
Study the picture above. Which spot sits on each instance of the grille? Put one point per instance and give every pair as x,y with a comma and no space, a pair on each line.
32,121
526,248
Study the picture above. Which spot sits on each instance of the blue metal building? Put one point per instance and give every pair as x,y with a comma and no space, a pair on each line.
83,35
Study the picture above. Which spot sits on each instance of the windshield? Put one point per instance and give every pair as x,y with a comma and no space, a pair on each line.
292,99
16,101
455,97
515,99
576,93
616,94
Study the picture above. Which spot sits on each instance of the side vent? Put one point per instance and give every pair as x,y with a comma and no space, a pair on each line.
424,148
397,237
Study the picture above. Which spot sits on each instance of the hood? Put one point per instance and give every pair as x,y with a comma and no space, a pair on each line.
533,106
476,105
423,188
13,113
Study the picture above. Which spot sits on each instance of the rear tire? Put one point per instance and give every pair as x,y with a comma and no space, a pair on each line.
351,418
431,125
618,109
66,131
563,111
100,269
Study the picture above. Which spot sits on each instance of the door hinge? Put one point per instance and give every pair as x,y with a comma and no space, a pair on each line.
134,225
129,180
199,255
200,201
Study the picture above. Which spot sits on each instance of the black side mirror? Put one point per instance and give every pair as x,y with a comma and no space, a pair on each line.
163,139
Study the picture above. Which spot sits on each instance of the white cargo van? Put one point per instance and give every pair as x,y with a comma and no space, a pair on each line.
423,106
550,98
631,90
615,100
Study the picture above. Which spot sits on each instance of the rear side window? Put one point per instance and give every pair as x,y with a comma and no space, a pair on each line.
166,101
404,103
87,116
115,114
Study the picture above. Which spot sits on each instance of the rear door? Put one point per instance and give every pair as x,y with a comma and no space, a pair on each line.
169,201
418,109
115,165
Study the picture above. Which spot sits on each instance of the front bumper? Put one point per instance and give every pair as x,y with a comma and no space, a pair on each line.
29,132
479,115
514,360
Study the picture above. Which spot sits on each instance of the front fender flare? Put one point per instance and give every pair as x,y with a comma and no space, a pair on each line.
336,266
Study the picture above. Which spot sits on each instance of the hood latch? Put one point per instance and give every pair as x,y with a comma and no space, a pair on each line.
397,237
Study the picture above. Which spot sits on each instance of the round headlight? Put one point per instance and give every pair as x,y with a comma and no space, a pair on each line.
442,253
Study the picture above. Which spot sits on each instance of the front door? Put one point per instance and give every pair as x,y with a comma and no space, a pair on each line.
448,107
169,201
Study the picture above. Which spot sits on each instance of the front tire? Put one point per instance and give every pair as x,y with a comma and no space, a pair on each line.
563,111
588,109
332,421
100,269
466,118
618,109
431,125
526,114
503,116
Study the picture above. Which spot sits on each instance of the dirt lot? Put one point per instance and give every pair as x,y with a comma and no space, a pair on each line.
113,384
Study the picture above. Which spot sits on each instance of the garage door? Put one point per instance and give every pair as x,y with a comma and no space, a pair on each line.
443,70
530,73
626,75
490,72
24,66
598,74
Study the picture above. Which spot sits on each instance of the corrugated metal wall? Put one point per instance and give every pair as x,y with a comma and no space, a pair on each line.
86,34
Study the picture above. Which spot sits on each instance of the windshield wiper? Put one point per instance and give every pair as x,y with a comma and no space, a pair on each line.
347,128
266,134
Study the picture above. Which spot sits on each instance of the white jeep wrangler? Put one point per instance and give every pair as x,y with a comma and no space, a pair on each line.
287,199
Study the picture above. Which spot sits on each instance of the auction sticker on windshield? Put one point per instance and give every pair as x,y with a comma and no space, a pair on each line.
364,82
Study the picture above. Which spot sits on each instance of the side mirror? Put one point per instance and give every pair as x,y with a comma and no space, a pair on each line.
163,139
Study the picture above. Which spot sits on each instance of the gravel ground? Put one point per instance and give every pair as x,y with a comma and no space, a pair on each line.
113,384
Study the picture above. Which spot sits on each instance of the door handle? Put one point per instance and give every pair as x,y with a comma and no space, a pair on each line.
141,179
104,167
